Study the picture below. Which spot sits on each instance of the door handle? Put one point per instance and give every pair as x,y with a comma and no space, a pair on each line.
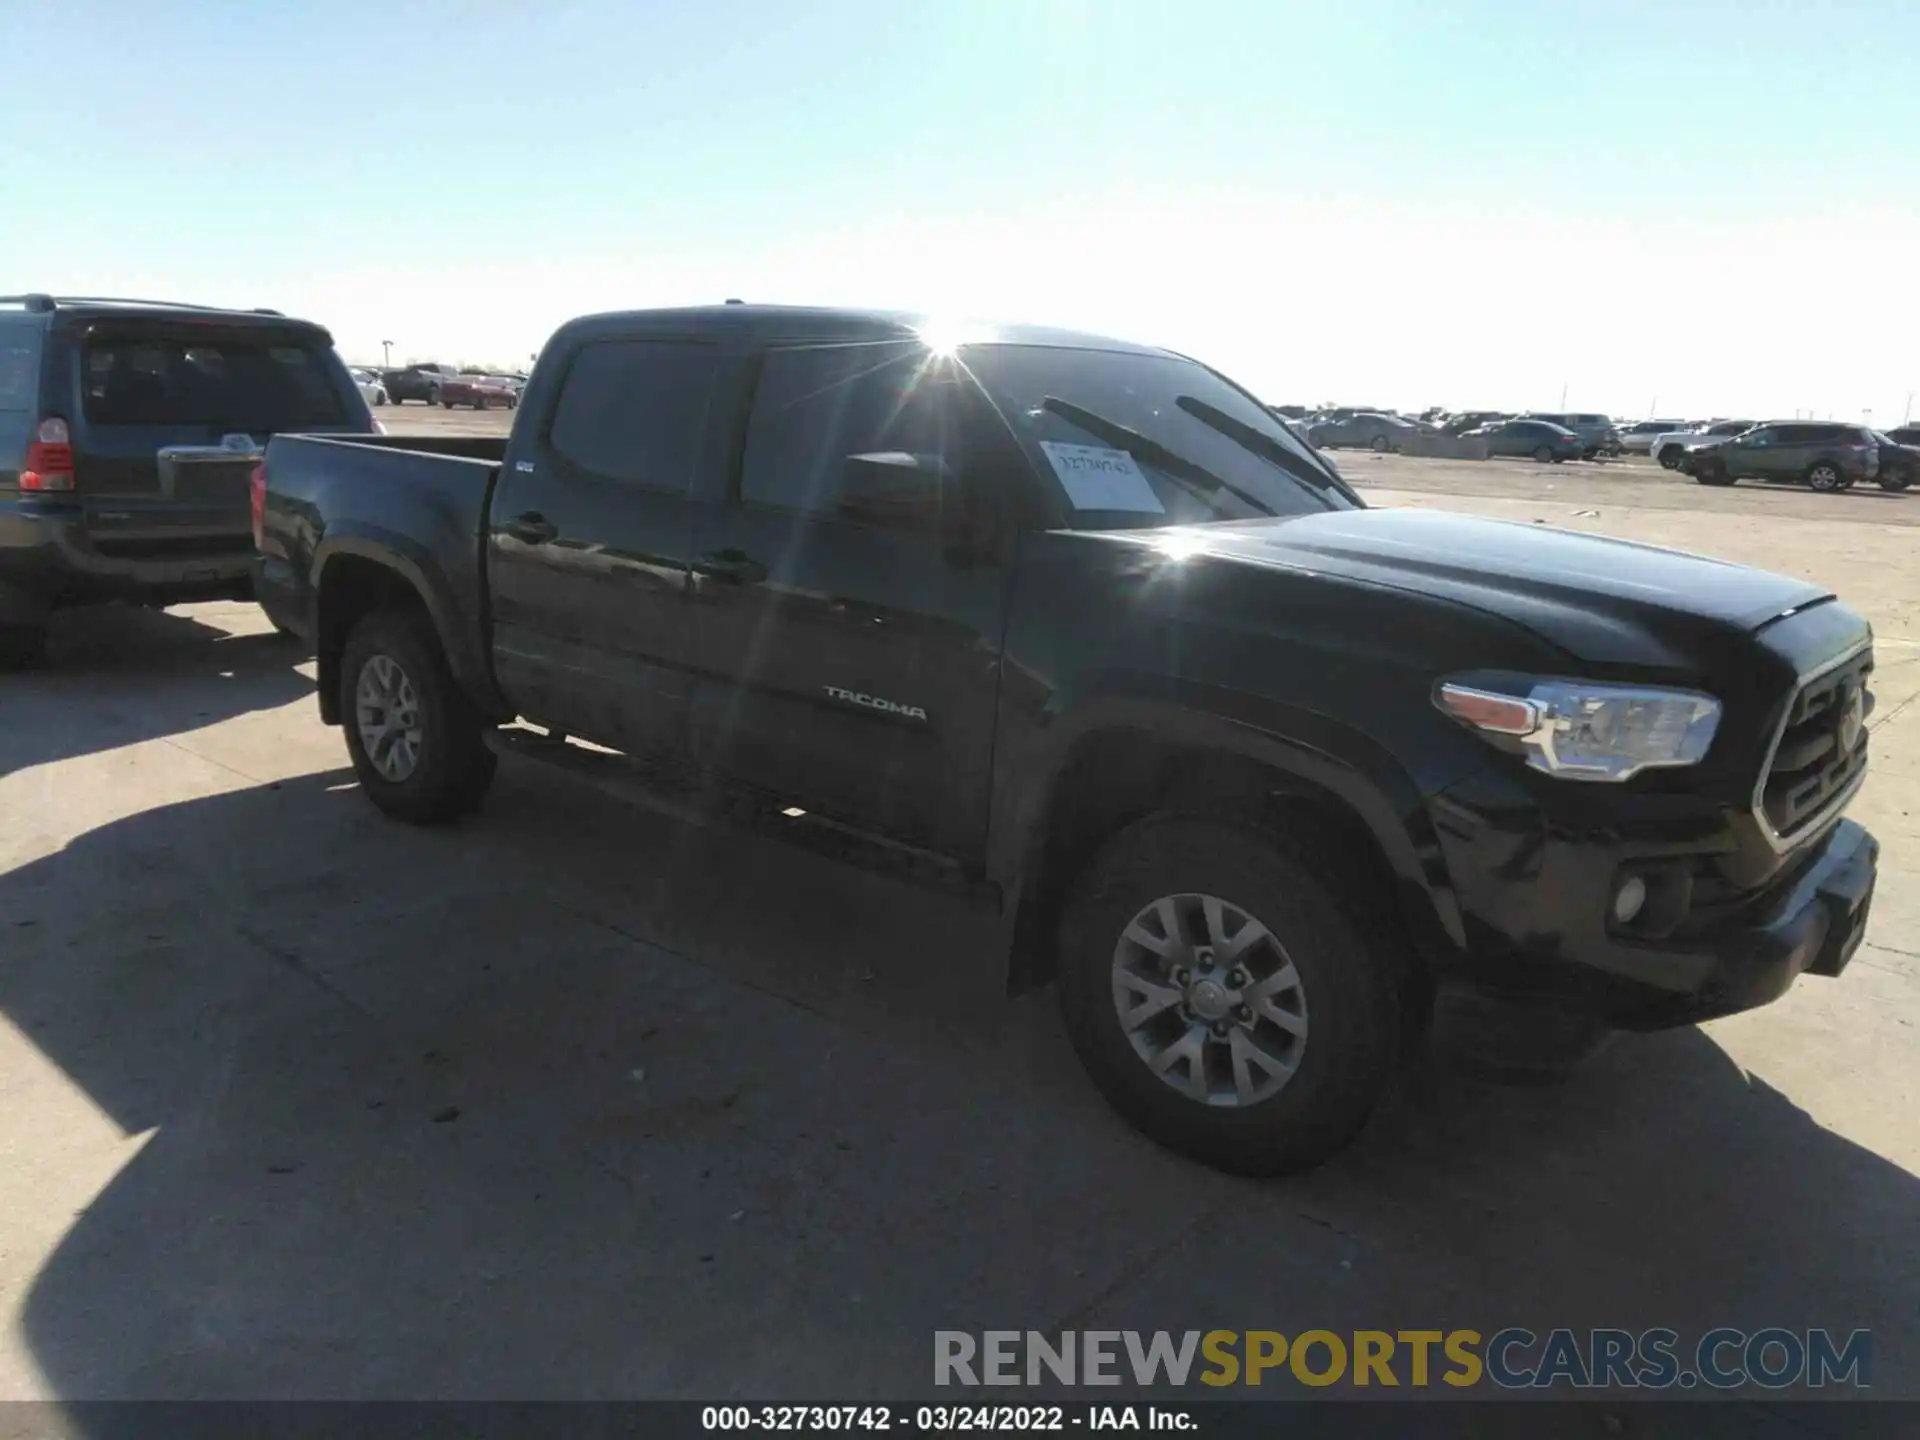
532,528
734,566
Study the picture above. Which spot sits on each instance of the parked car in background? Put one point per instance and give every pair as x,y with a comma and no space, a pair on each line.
369,384
128,431
1596,432
417,382
1905,435
482,392
1638,438
1822,455
1541,439
1466,420
1393,750
1669,449
1899,462
1365,430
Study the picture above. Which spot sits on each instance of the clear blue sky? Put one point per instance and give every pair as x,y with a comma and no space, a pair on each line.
1369,200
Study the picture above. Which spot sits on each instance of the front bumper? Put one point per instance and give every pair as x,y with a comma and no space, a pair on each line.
1535,909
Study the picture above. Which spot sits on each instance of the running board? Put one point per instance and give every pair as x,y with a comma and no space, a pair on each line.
696,799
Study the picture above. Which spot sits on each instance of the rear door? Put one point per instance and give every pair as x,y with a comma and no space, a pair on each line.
589,543
167,419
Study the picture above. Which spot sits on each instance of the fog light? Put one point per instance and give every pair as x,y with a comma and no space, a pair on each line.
1629,899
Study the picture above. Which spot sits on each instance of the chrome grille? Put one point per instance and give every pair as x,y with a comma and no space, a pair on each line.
1820,754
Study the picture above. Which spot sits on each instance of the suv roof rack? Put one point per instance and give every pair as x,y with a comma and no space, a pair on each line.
43,303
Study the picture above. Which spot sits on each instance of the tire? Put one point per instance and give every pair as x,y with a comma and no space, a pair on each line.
433,396
23,647
1379,445
1543,453
1286,1119
451,765
379,397
1712,474
1824,476
1669,457
448,404
513,401
1895,480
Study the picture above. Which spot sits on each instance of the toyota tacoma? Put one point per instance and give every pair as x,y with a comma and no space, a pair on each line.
1077,631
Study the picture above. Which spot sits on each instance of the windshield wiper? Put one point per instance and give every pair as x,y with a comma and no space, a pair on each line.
1192,476
1251,440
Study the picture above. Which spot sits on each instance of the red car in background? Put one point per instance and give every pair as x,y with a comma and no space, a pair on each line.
479,391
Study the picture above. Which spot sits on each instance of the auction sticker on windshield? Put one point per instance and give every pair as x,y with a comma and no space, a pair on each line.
1097,478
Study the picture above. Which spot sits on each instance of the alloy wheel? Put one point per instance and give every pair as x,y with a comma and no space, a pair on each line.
387,715
1209,1000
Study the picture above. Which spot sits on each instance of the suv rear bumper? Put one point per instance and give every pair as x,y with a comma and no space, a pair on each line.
1539,930
48,559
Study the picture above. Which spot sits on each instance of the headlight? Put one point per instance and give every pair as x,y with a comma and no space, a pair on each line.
1588,731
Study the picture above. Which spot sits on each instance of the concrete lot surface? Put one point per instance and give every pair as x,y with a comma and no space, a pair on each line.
569,1102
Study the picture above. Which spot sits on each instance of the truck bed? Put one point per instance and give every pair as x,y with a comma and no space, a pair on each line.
419,499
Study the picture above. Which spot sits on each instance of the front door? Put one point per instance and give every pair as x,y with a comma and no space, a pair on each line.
851,661
591,526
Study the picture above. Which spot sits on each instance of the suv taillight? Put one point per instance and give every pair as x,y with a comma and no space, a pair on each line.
49,463
257,501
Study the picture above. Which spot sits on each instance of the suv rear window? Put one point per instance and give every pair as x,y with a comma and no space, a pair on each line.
224,384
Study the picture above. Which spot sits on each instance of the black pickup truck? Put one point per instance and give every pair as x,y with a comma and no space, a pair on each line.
1078,630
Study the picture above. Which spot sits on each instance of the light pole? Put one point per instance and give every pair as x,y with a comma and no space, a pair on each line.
387,347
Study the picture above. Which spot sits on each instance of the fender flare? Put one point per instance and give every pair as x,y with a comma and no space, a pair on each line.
1325,756
414,564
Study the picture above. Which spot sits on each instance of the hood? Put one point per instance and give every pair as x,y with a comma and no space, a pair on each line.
1601,600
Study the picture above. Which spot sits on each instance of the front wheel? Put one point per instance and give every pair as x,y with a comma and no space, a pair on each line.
1712,474
1225,998
1824,476
417,743
1670,457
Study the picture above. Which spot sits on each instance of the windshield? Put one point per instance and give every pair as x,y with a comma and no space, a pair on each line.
224,384
1134,440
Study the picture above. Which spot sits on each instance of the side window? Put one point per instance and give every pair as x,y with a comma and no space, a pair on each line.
636,411
815,407
1762,437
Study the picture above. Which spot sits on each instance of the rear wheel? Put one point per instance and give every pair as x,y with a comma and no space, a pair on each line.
417,743
1224,996
1543,453
23,647
1895,479
1824,475
1379,444
433,397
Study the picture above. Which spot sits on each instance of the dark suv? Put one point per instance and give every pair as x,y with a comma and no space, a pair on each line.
128,429
1822,455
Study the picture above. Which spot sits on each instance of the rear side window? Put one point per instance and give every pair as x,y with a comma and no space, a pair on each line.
815,407
636,411
225,384
19,365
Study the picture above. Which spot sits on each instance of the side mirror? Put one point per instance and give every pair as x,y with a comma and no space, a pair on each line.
894,486
922,491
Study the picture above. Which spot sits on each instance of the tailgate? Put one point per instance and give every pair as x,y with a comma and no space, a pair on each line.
172,420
